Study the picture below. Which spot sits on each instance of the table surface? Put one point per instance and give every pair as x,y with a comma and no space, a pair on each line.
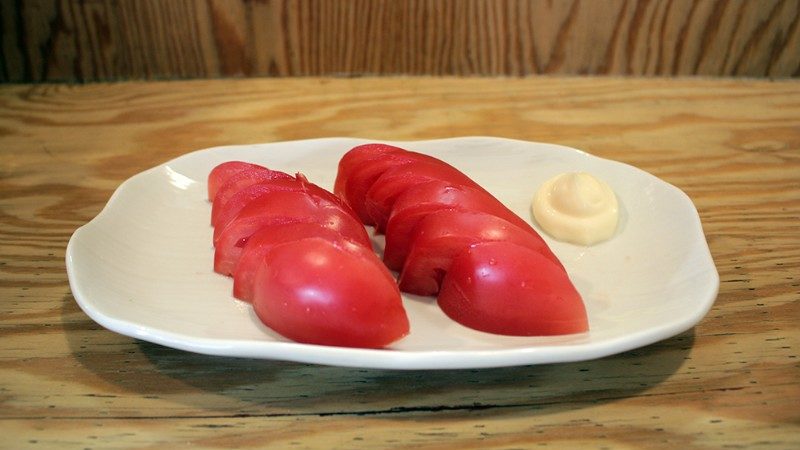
733,381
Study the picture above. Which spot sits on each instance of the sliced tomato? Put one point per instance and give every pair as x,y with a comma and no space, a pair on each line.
380,197
504,288
330,293
263,240
222,172
244,178
440,236
352,160
223,213
323,194
421,200
275,208
223,210
358,182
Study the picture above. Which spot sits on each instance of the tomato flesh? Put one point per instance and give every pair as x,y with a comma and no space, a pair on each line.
263,240
222,172
222,212
383,193
424,199
354,158
276,208
244,178
440,236
317,291
357,183
503,288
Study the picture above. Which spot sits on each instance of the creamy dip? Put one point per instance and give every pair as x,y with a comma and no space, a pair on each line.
576,207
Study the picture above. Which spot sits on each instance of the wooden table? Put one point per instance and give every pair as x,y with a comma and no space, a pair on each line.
732,382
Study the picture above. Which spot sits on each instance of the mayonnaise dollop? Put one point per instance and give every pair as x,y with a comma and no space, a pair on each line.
576,207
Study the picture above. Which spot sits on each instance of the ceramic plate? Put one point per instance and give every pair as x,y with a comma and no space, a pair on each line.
143,266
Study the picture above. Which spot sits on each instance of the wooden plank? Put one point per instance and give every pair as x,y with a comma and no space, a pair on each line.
72,40
731,145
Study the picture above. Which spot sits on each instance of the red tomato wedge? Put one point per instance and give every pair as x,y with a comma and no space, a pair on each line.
275,208
263,240
318,291
358,182
244,178
223,213
504,288
421,200
440,236
380,197
220,174
352,160
223,210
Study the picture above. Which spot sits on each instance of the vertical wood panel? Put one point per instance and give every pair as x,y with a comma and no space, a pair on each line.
52,40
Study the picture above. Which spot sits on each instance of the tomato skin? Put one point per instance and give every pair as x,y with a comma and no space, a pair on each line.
356,182
440,236
427,198
244,178
300,205
503,288
224,210
300,293
267,237
383,193
352,160
222,172
275,208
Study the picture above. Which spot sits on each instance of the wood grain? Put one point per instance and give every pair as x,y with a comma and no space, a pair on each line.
73,40
731,382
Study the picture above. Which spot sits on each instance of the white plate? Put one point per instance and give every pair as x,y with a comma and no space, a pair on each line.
143,266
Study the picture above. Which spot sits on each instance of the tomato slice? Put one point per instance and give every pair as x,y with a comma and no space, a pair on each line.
421,200
504,288
358,184
440,236
276,208
352,160
383,193
317,291
222,172
223,213
263,240
354,186
244,178
224,210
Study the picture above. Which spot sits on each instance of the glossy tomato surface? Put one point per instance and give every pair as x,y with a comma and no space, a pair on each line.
440,236
222,211
320,292
267,237
503,288
358,182
383,193
275,208
244,178
352,160
357,185
427,198
222,172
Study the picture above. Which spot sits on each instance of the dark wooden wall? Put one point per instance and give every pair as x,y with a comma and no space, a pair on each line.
89,40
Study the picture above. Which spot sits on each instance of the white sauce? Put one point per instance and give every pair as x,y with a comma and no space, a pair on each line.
576,207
